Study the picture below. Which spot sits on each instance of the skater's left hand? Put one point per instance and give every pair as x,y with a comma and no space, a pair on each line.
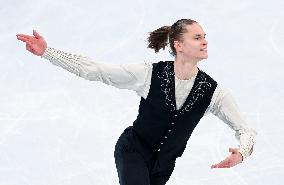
234,159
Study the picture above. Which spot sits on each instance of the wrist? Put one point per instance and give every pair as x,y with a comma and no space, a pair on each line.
241,156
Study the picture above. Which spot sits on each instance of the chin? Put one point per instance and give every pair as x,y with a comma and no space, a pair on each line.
204,57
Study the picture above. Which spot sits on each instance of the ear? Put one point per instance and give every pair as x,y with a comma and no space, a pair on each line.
178,46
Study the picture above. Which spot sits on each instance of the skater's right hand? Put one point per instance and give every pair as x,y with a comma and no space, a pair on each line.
34,44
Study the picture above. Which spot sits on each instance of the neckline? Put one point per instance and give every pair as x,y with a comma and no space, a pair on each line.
187,80
189,94
194,76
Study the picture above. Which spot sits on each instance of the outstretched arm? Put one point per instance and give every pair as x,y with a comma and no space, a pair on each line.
227,110
132,76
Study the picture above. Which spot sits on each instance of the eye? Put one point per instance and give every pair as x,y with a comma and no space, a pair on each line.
198,38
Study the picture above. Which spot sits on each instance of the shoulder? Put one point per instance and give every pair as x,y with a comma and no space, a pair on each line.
210,82
163,65
205,76
220,87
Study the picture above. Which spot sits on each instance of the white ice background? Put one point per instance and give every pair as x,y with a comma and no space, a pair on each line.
60,129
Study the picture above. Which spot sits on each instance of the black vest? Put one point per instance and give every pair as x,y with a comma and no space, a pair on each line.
162,130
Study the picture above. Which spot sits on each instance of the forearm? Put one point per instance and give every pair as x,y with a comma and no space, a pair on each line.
132,76
226,109
76,64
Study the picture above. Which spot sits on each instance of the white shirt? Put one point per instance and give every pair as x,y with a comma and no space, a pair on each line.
137,77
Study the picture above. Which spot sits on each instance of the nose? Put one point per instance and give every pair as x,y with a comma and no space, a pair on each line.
204,42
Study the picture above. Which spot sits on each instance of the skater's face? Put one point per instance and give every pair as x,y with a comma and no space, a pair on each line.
193,44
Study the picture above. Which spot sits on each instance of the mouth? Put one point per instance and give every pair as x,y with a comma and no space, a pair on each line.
204,49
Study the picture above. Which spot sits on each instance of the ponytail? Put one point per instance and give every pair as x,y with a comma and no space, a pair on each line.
159,38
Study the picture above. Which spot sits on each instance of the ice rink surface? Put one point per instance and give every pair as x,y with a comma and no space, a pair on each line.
59,129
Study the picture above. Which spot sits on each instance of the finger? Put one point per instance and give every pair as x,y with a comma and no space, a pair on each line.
224,162
233,150
28,47
226,165
24,36
236,150
223,165
217,165
21,36
24,39
35,33
27,41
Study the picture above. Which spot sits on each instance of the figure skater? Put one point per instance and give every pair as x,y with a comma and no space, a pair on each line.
175,95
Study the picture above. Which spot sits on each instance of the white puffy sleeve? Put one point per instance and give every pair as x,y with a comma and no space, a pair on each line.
225,108
132,76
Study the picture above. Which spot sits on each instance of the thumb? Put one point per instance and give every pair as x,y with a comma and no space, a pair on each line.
233,150
36,34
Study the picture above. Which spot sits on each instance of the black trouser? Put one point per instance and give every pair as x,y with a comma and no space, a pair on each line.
133,169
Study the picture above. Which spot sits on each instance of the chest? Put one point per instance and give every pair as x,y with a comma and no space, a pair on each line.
170,93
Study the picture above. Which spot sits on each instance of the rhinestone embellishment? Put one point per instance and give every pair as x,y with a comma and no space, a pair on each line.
201,85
